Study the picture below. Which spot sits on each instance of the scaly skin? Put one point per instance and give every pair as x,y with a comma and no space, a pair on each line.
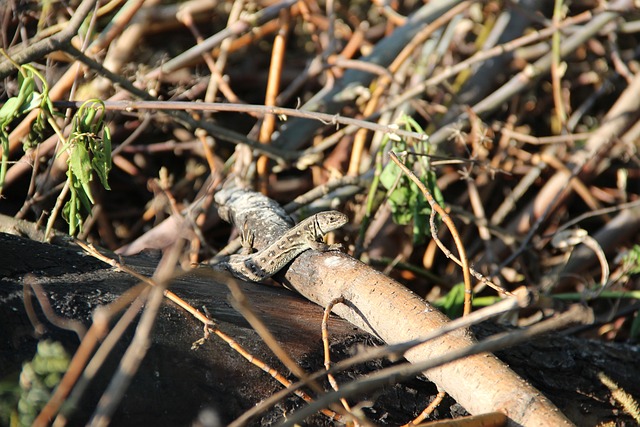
268,261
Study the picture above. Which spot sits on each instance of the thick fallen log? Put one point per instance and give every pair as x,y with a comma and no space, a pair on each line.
175,383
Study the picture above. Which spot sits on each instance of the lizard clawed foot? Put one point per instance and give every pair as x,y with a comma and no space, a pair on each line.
247,237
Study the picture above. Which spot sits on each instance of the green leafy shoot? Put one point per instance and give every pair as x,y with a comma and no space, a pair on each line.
406,201
453,302
631,260
38,378
88,153
27,99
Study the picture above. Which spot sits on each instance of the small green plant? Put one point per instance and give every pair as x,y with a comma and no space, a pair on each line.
27,99
631,260
404,197
88,151
452,303
23,398
88,145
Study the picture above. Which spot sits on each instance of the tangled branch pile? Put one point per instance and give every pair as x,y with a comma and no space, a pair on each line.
521,118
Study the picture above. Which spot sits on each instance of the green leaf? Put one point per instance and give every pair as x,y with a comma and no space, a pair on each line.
406,201
36,134
390,174
9,111
87,153
101,162
452,303
79,162
17,105
87,119
632,260
401,195
421,212
71,214
80,170
431,183
84,194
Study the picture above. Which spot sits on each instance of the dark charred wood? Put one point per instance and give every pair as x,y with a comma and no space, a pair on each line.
175,383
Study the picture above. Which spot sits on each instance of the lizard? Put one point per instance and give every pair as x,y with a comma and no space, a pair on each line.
268,261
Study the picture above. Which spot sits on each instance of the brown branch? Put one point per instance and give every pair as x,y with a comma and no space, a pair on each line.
268,125
180,106
56,42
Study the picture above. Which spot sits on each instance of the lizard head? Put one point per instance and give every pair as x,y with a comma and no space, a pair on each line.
331,220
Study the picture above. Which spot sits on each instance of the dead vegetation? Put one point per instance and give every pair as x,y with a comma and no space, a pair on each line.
520,118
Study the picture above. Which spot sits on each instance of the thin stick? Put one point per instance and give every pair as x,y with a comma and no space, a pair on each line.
38,50
556,77
428,410
239,27
210,326
523,299
385,80
215,68
329,119
273,87
488,54
325,345
435,207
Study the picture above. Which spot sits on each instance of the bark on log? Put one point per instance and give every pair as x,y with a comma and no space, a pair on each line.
176,383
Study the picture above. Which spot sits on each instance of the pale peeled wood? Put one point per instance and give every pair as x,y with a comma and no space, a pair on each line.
382,306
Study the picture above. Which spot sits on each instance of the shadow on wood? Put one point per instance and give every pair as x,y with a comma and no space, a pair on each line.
175,383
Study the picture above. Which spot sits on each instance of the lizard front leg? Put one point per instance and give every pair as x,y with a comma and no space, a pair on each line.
321,246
